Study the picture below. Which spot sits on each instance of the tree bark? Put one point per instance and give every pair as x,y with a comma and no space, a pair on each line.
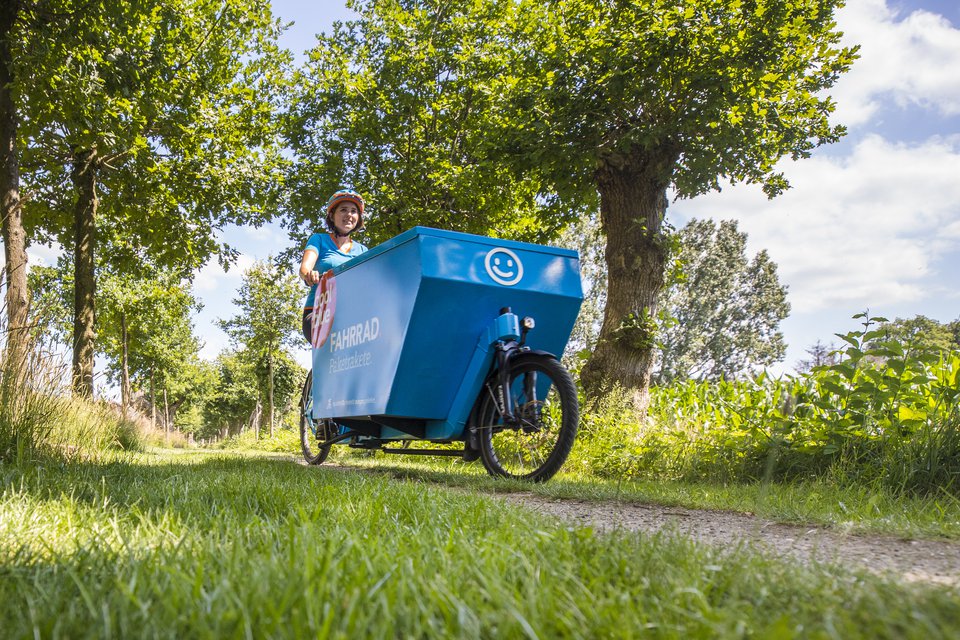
84,177
14,236
166,418
153,402
124,369
270,387
633,203
254,421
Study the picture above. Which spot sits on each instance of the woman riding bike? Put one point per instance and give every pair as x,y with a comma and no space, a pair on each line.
324,251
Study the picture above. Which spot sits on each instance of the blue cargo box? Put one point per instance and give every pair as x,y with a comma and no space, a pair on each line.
396,328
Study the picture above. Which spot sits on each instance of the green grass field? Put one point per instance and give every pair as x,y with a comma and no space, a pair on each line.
864,509
202,545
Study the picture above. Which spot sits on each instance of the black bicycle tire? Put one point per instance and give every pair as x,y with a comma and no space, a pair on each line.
306,434
488,413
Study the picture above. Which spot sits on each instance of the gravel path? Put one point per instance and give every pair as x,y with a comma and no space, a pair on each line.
931,561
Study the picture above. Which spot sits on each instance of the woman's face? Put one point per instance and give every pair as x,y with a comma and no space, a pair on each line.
345,217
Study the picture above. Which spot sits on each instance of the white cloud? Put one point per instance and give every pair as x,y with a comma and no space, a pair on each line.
865,230
264,236
912,59
952,231
212,277
42,255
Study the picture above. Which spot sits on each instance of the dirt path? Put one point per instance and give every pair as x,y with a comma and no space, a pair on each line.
912,560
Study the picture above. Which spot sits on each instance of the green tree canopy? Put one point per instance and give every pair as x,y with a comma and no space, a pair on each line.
144,323
923,333
397,104
148,126
51,300
145,328
585,102
721,311
288,377
232,398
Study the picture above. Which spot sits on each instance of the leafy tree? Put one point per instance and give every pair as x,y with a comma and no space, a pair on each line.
269,300
145,328
586,101
586,237
288,377
922,332
232,398
51,300
144,324
396,103
721,311
187,387
625,100
724,310
148,127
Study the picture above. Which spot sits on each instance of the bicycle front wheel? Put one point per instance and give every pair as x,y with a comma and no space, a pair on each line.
544,400
312,431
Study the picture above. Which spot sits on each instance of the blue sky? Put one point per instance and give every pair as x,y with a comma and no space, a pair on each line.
871,223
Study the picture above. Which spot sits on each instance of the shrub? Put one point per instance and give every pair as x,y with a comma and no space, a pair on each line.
284,440
883,412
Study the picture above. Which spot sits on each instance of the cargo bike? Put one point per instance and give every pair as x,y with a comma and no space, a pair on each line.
448,338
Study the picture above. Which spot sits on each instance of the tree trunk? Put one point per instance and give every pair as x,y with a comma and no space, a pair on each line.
632,206
14,237
166,417
254,422
270,387
84,177
153,402
124,369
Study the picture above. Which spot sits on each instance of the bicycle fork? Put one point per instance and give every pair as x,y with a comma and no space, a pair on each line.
502,341
506,348
503,397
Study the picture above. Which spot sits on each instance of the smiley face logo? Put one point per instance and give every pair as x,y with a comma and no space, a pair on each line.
503,266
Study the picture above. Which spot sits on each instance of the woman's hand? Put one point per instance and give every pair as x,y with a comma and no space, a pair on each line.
312,277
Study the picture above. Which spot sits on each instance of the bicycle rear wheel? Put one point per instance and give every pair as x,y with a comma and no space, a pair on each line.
544,400
312,431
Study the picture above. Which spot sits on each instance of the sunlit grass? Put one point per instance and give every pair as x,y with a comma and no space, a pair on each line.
865,509
217,546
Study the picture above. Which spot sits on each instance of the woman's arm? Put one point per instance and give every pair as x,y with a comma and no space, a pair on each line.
307,273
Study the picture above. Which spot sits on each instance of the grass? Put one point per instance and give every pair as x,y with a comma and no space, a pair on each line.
218,545
40,420
865,509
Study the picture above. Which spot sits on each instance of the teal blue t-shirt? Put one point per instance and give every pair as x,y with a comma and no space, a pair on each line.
328,257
